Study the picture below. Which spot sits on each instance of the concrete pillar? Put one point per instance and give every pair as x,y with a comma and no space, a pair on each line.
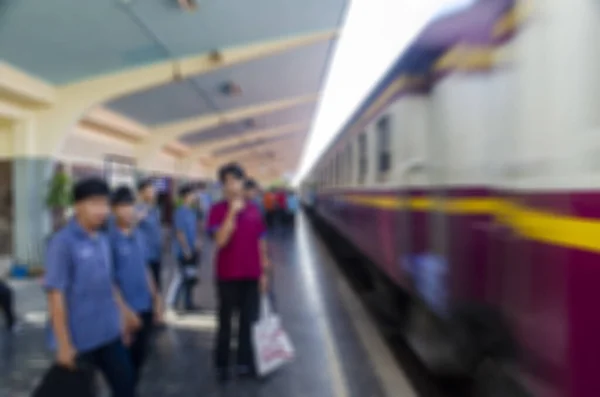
30,177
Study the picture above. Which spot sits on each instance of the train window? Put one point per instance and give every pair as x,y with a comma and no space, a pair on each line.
362,158
348,164
383,148
338,170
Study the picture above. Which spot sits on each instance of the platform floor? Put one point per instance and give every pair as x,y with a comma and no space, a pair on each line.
339,353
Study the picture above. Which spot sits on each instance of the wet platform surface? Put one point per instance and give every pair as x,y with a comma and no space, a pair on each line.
332,356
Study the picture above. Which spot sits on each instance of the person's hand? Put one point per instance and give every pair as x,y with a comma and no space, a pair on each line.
264,283
158,312
236,206
131,320
65,356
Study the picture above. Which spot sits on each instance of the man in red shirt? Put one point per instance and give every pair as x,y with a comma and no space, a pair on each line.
241,260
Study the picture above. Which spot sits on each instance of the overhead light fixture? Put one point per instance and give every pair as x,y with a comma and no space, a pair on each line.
188,5
231,88
215,56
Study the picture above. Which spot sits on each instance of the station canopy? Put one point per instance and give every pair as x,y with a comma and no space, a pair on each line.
219,80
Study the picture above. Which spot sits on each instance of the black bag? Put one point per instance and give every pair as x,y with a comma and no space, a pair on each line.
63,382
189,269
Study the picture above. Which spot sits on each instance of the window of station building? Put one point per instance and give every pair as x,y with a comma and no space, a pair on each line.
384,152
362,158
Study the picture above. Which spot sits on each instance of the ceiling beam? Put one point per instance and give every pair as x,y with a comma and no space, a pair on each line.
166,133
233,151
207,148
279,146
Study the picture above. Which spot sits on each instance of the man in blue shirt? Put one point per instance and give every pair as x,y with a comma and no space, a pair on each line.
90,320
150,226
292,205
131,272
186,246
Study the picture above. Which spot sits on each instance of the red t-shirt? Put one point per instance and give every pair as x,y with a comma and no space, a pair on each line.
281,200
240,258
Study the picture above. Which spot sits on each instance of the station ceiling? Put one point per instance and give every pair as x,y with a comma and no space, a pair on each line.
65,42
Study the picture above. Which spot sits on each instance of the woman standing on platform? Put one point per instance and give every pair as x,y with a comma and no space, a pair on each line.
241,264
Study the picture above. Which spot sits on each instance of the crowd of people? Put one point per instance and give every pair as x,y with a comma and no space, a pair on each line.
104,271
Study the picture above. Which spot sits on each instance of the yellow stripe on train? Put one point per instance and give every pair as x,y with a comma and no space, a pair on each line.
546,227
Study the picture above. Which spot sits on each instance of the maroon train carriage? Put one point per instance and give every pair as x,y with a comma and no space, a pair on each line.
496,282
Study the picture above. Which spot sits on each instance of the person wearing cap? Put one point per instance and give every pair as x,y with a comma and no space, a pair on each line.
186,247
241,269
90,320
131,272
148,216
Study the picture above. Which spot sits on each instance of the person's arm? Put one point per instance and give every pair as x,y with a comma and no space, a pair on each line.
264,254
130,320
224,232
156,298
180,235
183,242
58,318
56,282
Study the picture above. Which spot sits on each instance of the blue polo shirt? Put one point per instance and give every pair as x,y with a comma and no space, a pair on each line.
186,221
129,267
79,265
150,228
292,203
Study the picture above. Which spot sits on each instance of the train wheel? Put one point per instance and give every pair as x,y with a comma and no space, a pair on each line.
491,380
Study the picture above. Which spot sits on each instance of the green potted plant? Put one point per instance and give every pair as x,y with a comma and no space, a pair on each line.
59,197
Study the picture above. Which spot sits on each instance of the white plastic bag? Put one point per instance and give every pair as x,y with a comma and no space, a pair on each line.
272,346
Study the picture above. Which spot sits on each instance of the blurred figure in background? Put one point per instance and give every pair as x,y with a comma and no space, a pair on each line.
7,306
150,226
186,242
90,319
133,277
291,206
270,207
252,194
281,211
204,203
241,262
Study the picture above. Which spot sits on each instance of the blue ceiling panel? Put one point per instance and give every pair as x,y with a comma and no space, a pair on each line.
299,114
284,75
64,41
252,144
228,23
280,76
221,132
175,101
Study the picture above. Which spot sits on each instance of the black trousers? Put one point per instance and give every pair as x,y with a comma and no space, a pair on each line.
156,269
114,362
141,344
242,297
187,284
7,304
